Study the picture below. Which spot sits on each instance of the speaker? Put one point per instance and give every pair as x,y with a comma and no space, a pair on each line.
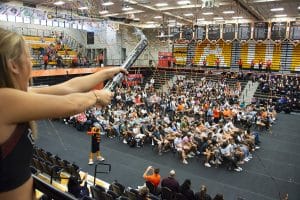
90,37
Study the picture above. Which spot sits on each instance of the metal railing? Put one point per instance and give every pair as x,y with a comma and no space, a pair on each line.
101,172
50,191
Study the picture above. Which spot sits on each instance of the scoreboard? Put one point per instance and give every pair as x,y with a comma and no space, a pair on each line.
278,30
260,30
200,32
244,31
229,31
214,31
295,30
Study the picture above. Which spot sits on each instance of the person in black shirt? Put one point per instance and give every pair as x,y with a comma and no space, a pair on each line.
185,189
202,195
170,182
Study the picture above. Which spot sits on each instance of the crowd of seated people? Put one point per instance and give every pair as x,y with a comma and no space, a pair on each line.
284,91
169,188
201,118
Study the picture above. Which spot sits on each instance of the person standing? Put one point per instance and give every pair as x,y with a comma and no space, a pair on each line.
218,63
252,65
240,63
268,67
260,64
170,182
21,105
204,63
46,60
95,145
100,59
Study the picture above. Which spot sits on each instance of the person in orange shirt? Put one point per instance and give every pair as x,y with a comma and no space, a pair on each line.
216,115
240,63
154,177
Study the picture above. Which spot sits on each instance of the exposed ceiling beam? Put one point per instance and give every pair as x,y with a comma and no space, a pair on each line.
243,5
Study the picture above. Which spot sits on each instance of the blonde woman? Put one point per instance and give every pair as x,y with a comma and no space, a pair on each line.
21,105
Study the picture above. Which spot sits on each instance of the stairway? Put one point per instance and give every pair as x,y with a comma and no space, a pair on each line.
248,92
190,53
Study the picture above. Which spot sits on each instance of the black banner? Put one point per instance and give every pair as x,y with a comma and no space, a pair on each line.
229,31
244,31
260,30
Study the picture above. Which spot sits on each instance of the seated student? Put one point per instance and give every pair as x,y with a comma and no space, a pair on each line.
77,188
179,147
170,182
143,194
228,153
186,190
202,195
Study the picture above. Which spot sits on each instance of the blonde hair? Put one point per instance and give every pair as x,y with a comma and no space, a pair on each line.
12,45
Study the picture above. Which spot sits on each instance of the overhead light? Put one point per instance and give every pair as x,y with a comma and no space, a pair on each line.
103,12
299,7
208,13
283,15
59,3
228,12
172,21
276,9
157,17
150,22
237,17
136,19
188,14
200,19
161,4
218,18
109,3
127,8
183,2
264,1
83,8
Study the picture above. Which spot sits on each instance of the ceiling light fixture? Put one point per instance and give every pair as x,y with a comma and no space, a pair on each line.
161,4
208,13
83,8
103,12
299,7
59,3
150,22
183,2
228,12
237,17
109,3
127,8
188,14
157,17
283,15
200,19
276,9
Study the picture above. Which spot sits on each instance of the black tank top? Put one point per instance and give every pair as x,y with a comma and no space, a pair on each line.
15,158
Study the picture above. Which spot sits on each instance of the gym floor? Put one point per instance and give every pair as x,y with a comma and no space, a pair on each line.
273,171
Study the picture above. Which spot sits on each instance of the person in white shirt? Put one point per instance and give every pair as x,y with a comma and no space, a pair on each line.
178,143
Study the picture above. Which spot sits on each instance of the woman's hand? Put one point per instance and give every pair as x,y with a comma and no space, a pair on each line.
115,70
104,97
